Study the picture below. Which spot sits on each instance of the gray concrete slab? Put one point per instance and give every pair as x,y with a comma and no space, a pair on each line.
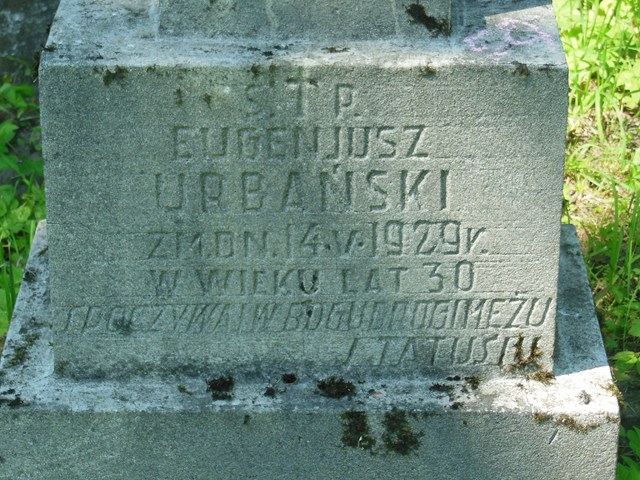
287,19
258,204
525,425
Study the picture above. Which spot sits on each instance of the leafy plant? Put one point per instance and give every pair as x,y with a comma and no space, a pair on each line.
629,467
22,202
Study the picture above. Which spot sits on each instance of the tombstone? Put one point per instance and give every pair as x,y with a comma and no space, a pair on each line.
297,231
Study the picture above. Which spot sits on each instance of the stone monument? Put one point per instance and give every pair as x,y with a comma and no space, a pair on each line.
300,231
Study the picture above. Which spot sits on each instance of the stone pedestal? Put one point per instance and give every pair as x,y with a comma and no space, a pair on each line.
527,426
296,240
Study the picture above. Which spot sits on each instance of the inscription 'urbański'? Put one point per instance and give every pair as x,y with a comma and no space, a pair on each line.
340,190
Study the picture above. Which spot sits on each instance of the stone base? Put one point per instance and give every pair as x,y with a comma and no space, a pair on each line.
527,425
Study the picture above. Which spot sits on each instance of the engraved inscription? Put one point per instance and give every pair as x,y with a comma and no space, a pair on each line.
412,317
323,143
337,190
385,239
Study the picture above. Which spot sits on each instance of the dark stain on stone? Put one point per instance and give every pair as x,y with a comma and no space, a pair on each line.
268,53
29,275
123,325
270,392
246,420
221,387
118,75
255,70
336,49
419,15
21,350
207,99
521,69
179,97
355,430
456,405
15,402
473,382
427,71
439,387
399,437
289,378
333,387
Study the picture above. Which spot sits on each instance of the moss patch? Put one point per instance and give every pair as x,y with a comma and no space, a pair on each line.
333,387
289,378
221,387
356,432
473,382
183,389
399,437
543,376
572,424
529,363
21,350
521,69
118,75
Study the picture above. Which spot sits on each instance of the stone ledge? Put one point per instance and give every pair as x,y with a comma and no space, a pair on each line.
512,427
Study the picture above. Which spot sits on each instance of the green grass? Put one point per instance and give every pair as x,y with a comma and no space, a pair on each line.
22,202
602,188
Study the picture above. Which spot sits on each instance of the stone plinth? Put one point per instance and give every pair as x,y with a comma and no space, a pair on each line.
382,207
559,428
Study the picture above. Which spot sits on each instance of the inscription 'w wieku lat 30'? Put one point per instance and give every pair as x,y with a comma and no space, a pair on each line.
282,215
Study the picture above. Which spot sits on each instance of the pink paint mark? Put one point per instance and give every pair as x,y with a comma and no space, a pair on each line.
497,41
472,41
509,26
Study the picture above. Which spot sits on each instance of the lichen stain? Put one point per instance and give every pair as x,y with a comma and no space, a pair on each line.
419,15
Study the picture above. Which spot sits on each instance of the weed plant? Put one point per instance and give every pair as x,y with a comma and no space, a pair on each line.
602,188
22,202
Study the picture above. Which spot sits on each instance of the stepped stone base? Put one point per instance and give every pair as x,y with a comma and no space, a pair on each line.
526,425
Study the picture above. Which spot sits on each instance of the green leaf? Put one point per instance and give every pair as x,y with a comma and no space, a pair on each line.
635,326
626,357
7,131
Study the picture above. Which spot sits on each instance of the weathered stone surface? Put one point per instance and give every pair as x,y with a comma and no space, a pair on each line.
286,19
150,428
377,207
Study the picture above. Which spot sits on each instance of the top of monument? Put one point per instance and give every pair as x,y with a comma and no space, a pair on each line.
319,20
